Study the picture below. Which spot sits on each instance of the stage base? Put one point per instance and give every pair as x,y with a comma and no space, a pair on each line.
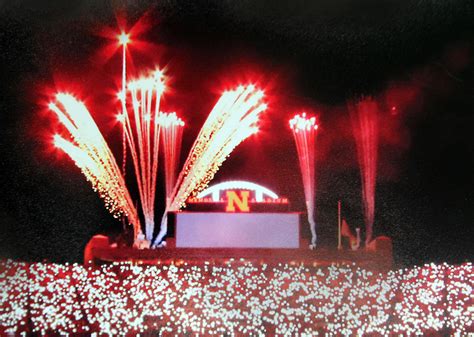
377,257
237,230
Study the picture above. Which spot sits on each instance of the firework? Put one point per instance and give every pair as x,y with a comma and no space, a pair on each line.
142,132
365,127
124,39
171,136
304,132
233,119
92,155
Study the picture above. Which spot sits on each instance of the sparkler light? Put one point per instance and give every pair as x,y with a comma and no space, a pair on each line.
365,127
304,132
232,120
142,132
92,155
171,136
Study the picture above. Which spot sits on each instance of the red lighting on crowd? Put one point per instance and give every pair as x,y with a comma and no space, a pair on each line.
235,297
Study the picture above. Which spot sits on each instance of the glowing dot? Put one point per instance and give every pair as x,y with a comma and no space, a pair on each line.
121,118
124,38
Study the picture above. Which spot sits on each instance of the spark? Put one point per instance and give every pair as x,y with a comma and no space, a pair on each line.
364,117
304,132
91,154
232,120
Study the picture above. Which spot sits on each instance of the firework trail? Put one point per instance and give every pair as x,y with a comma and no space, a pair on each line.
171,135
304,132
124,39
365,127
92,155
233,119
142,132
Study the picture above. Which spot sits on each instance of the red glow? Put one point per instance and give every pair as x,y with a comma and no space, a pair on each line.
431,300
122,36
394,111
364,115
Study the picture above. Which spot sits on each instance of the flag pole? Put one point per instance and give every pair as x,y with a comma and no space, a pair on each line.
339,243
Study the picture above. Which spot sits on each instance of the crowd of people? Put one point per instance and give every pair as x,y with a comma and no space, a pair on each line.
236,297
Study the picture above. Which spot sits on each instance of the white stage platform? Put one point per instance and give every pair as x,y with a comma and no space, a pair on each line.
237,230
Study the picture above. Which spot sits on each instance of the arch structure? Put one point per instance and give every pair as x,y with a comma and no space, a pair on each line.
215,190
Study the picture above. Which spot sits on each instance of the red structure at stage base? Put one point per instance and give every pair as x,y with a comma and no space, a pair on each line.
377,256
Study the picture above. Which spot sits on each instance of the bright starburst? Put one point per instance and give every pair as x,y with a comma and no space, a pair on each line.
124,38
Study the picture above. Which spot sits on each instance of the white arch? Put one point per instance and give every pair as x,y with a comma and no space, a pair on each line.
237,185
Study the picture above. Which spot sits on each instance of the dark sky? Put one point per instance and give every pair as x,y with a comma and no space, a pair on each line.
415,55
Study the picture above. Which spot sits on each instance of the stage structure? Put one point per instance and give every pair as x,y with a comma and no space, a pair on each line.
238,195
237,214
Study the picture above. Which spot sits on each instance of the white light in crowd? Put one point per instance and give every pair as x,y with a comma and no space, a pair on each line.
235,297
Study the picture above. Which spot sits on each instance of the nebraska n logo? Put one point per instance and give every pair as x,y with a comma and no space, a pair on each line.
233,201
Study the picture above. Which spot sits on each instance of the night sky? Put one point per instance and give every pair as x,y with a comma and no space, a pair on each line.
416,58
